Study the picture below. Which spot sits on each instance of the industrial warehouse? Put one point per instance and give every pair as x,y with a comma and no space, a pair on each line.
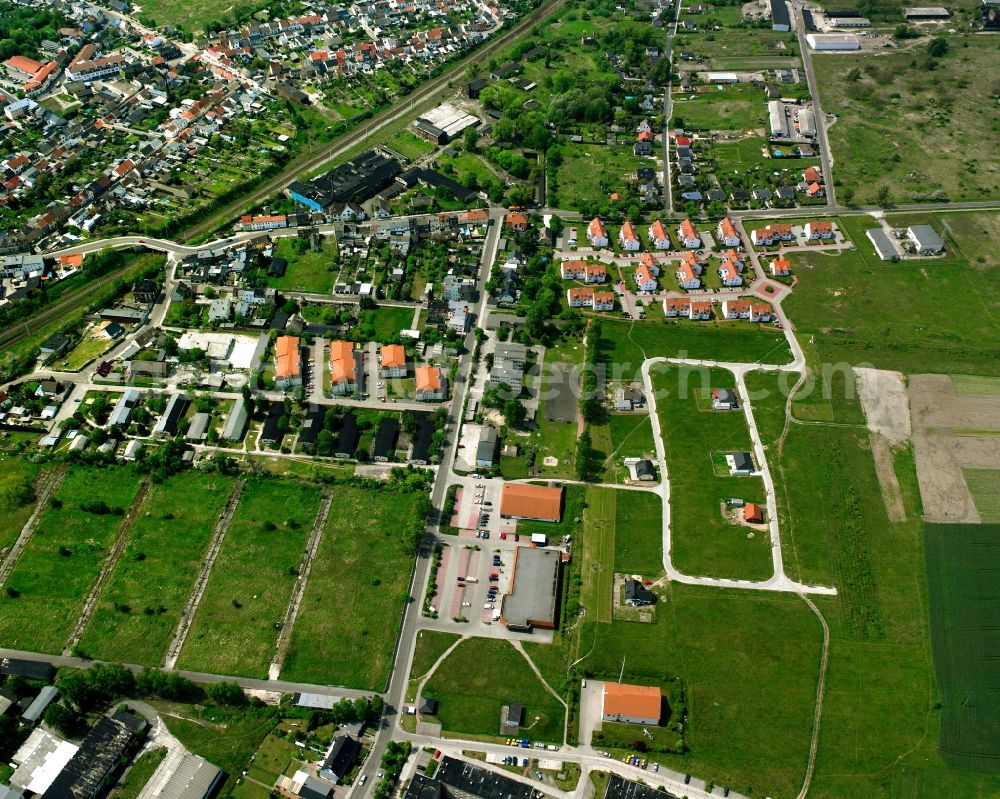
444,123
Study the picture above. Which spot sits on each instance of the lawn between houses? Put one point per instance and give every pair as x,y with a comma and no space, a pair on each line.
46,590
307,270
347,623
694,436
149,587
239,618
481,676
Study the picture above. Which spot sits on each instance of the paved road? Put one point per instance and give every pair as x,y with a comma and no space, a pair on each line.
396,692
668,111
589,760
825,155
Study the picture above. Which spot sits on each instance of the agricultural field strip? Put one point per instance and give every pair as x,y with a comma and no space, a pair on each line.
50,483
285,638
109,563
187,618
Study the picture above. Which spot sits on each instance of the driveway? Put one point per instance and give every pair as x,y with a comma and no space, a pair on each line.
591,710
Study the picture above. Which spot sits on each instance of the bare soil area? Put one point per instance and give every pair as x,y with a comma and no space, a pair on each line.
945,440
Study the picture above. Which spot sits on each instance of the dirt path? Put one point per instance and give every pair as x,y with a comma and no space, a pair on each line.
48,484
285,638
820,688
892,496
520,648
187,617
124,530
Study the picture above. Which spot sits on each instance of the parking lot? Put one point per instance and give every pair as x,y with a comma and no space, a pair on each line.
476,569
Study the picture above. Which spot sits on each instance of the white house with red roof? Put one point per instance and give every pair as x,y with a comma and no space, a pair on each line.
818,230
658,236
687,277
596,233
645,280
604,301
727,233
772,234
586,271
780,267
688,236
674,307
648,260
735,257
701,310
729,274
627,237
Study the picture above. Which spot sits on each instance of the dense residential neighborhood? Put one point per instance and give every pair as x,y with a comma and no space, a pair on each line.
538,399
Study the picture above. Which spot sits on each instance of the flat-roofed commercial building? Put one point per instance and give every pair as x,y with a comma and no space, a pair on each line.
883,245
533,599
833,41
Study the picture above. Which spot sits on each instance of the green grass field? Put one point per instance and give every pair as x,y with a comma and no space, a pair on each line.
354,597
478,678
838,302
409,144
912,113
16,497
551,438
984,485
741,656
138,775
590,173
969,384
639,534
961,563
624,436
239,619
83,353
598,554
306,271
626,345
386,321
737,107
192,15
228,740
431,644
738,49
275,757
702,541
142,602
64,557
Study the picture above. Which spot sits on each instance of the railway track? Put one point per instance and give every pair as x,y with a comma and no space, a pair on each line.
342,144
384,118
